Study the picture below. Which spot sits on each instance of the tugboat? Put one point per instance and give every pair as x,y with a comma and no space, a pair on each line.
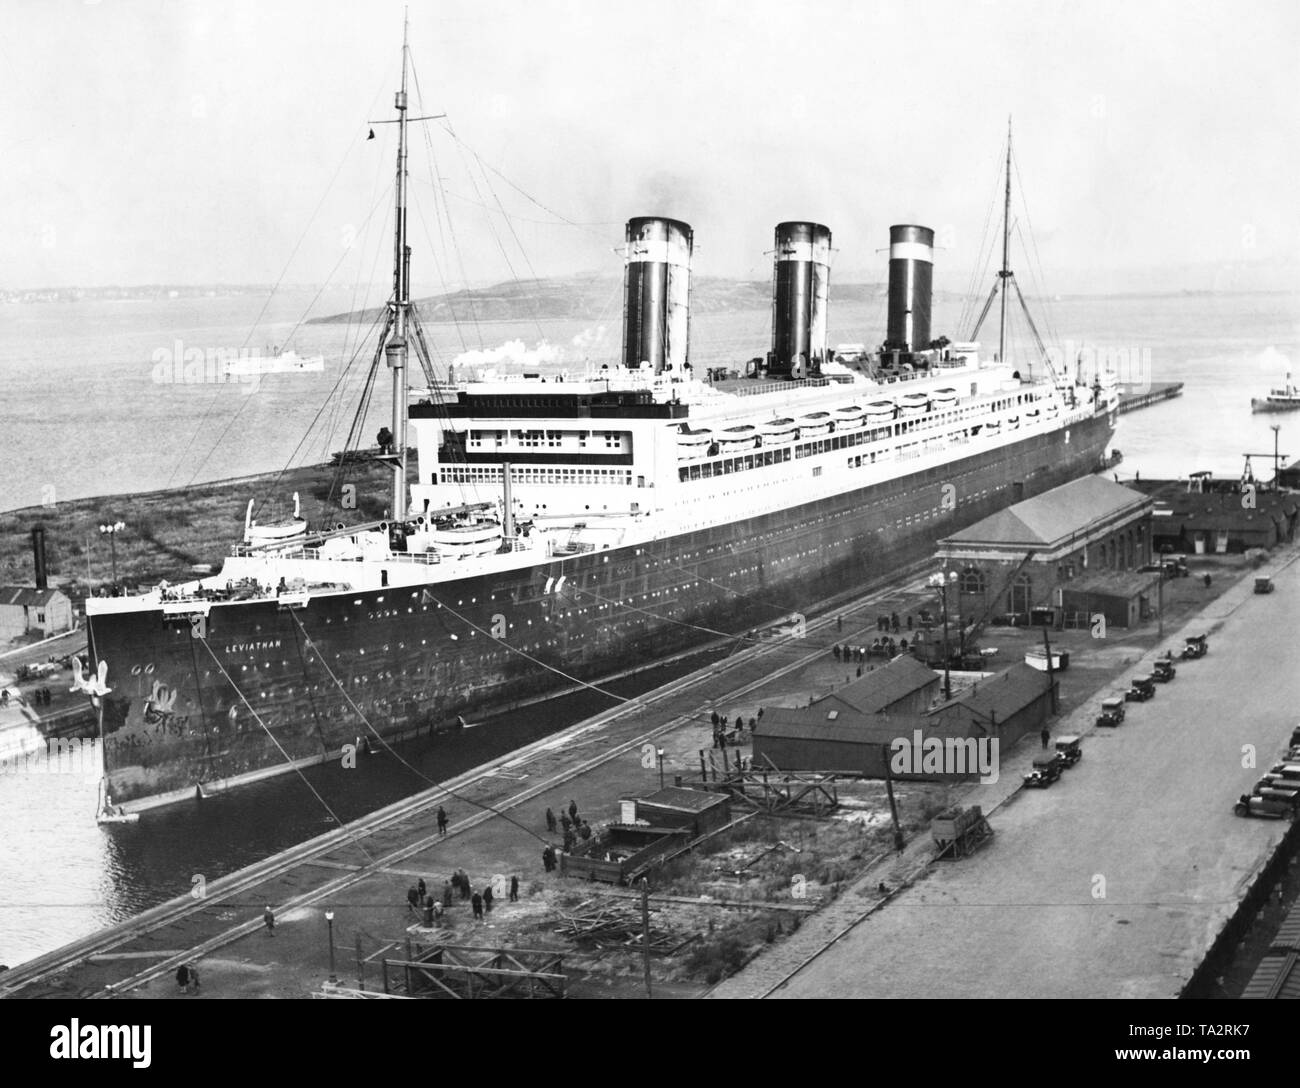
1282,399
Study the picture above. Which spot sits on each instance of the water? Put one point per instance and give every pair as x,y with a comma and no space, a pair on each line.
82,415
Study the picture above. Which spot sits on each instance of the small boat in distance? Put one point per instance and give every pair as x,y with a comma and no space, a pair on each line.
1282,399
282,362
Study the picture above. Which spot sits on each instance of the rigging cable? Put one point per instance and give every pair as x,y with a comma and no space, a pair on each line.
360,845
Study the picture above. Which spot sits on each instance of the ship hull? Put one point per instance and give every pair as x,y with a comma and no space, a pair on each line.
268,688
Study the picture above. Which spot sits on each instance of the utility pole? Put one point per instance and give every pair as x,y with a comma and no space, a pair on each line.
645,930
899,842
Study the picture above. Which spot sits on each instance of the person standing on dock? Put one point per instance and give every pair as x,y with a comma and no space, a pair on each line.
446,895
422,888
413,899
442,821
565,822
1046,735
476,902
268,918
550,821
573,810
487,898
514,889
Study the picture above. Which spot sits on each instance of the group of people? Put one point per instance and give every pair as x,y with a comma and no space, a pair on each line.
880,647
574,828
890,623
41,697
433,907
720,727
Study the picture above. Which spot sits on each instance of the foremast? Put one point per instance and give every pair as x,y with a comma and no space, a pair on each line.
396,351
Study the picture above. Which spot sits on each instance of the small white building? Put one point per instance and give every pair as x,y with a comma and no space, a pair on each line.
26,610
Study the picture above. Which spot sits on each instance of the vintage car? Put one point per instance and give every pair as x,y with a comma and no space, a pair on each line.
1112,711
1263,584
1067,747
1047,769
1265,808
1163,671
1196,646
1142,689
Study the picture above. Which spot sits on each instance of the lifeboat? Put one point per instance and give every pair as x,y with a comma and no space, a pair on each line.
879,410
910,404
849,417
815,423
693,443
458,539
744,436
275,532
779,430
994,428
945,397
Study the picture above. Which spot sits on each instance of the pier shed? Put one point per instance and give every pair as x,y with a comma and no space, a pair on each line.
1125,598
1016,560
1206,516
828,734
1008,705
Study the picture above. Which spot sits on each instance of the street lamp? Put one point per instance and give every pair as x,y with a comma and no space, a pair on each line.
660,753
940,581
329,918
1277,465
111,532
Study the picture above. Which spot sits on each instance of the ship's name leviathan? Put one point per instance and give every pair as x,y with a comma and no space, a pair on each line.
248,647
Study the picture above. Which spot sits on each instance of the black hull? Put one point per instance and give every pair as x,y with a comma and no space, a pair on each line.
412,660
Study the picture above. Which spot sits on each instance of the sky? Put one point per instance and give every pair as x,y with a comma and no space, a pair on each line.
196,141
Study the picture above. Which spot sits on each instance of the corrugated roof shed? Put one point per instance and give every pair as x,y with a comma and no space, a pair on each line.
805,723
998,697
885,686
27,596
1053,515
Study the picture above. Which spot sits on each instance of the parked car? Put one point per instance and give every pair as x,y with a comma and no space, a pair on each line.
1067,747
1112,711
1263,584
1143,688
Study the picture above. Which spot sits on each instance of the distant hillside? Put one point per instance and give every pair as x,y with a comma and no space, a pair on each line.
588,299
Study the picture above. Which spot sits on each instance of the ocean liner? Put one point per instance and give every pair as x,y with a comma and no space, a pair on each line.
625,512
